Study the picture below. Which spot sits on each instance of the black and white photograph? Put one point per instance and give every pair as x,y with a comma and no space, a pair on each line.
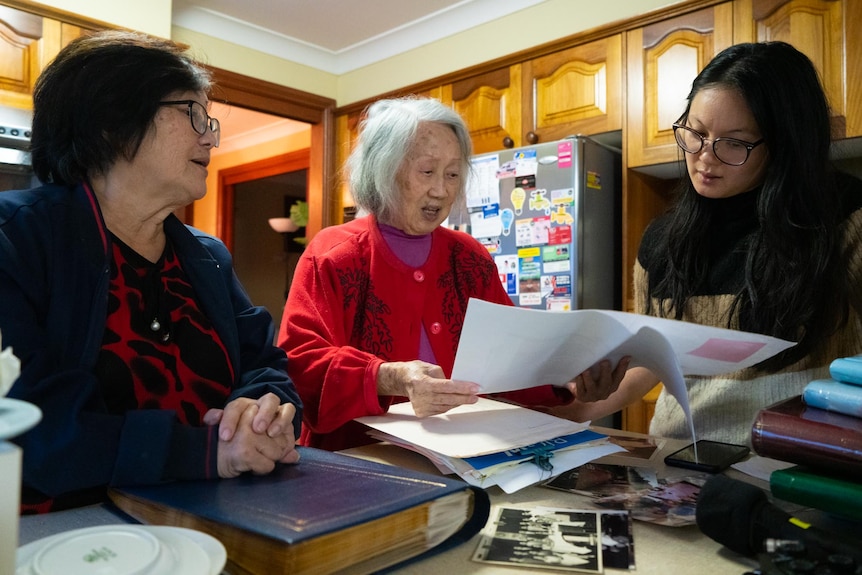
545,538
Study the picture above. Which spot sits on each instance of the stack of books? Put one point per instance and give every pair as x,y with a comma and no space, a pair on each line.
821,432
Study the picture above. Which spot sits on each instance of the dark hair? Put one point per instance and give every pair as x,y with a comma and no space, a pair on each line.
792,287
96,100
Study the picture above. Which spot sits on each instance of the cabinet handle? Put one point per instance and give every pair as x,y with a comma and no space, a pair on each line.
532,138
508,142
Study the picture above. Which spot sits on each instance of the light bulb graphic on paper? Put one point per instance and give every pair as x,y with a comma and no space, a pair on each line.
518,196
507,217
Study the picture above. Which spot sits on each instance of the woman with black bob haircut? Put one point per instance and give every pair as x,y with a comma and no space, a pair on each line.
136,340
765,236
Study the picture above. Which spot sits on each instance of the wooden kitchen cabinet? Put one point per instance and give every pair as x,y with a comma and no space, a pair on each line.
490,104
27,43
578,90
662,59
574,91
820,29
19,56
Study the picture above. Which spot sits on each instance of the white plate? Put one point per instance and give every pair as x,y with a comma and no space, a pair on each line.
16,417
123,550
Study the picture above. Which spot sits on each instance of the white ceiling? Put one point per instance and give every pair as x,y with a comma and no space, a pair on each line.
337,36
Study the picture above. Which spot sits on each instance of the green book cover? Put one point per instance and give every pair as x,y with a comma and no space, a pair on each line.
825,492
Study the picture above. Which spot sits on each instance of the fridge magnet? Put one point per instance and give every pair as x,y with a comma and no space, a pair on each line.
518,196
507,216
526,163
483,187
563,196
561,216
527,182
558,304
486,222
556,259
538,202
529,276
560,235
506,170
564,154
563,286
507,268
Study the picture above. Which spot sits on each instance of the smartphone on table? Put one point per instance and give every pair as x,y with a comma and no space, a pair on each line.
711,456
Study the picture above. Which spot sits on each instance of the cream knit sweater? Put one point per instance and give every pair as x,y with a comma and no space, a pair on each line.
723,407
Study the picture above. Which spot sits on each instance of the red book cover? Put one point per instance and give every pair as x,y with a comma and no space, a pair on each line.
823,440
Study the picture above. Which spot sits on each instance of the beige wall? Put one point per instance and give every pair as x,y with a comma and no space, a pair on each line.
235,58
545,22
540,24
150,16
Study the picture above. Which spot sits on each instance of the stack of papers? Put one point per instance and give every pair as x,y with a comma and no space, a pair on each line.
493,443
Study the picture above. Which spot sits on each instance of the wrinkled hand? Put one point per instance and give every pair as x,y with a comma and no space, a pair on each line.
424,384
254,435
598,382
271,416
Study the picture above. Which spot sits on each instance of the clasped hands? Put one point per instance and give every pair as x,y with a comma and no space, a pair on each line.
254,435
425,385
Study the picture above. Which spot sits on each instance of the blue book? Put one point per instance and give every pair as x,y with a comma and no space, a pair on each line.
834,396
329,513
847,369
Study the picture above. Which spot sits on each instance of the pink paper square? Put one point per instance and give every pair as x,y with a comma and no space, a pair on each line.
727,350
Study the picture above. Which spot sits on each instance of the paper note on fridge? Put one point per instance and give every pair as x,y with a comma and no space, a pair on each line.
505,348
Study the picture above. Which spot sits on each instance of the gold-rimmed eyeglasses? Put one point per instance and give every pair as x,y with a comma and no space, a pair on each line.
199,118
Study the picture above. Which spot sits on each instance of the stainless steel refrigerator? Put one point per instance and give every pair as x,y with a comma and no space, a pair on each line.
549,214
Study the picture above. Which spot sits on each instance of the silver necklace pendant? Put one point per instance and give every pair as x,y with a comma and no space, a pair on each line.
155,325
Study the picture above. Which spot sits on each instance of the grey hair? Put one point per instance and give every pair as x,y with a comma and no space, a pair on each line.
385,138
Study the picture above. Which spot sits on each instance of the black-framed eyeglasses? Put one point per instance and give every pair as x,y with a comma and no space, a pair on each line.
199,117
729,151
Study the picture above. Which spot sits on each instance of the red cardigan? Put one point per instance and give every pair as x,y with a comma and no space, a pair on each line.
354,305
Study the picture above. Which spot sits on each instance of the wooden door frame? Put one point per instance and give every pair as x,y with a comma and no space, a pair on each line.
244,91
229,177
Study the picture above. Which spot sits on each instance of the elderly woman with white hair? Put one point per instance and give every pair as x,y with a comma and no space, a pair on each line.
376,307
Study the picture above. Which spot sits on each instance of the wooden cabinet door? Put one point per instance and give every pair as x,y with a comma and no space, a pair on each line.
662,60
575,91
491,106
27,44
20,33
818,29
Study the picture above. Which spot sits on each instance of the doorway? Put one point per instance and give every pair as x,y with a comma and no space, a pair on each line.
264,259
249,195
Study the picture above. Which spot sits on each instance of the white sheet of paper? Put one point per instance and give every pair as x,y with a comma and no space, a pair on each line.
505,348
487,426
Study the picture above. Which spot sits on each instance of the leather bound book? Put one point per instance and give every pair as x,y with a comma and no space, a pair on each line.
328,513
822,440
835,494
